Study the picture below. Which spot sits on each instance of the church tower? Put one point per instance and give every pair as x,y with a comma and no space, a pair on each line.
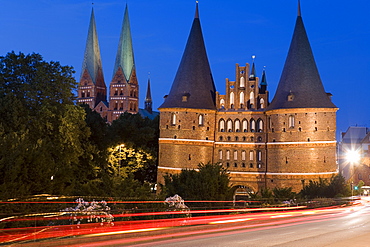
124,87
92,89
187,116
301,120
148,99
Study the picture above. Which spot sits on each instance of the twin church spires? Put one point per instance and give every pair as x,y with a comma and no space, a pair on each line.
123,88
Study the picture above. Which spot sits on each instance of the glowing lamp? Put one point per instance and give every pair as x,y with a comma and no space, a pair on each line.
353,156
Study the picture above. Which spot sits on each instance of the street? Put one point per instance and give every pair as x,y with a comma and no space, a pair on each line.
332,226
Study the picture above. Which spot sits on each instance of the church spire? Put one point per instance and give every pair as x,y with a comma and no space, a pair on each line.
92,88
92,63
300,84
196,10
193,85
252,75
125,53
148,98
263,83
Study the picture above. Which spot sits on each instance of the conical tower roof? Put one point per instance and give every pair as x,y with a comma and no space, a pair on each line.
125,52
92,59
148,97
193,86
300,84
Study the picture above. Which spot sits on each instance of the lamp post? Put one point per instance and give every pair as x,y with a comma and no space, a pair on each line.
120,158
353,157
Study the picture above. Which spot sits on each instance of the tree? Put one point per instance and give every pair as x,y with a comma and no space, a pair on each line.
284,194
140,134
42,131
335,187
210,182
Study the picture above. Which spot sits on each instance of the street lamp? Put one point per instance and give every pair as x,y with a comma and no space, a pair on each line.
353,156
120,158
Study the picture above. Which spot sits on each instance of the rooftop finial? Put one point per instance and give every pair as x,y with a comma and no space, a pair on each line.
196,10
299,8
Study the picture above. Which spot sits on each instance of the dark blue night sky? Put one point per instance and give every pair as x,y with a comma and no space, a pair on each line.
234,30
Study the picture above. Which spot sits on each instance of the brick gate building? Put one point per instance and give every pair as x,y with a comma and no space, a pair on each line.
282,143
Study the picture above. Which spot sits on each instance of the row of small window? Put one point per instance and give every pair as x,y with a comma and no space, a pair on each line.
87,94
240,126
133,93
244,139
132,106
174,119
259,165
243,155
250,103
299,129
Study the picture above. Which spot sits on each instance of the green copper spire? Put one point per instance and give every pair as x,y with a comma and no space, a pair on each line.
92,60
125,53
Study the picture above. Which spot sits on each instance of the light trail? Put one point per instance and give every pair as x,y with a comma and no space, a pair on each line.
12,235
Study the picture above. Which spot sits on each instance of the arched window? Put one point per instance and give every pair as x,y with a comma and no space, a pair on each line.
243,155
222,103
229,125
260,125
242,81
259,155
251,155
253,125
220,154
251,99
232,100
245,125
173,119
222,125
235,155
200,119
228,155
291,121
262,103
241,99
237,125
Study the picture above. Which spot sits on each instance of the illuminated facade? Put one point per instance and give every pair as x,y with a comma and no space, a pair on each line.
282,143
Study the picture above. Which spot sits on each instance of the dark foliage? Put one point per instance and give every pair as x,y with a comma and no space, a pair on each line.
335,187
210,182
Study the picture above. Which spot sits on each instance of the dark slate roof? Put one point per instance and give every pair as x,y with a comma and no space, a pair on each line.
194,78
300,77
145,113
